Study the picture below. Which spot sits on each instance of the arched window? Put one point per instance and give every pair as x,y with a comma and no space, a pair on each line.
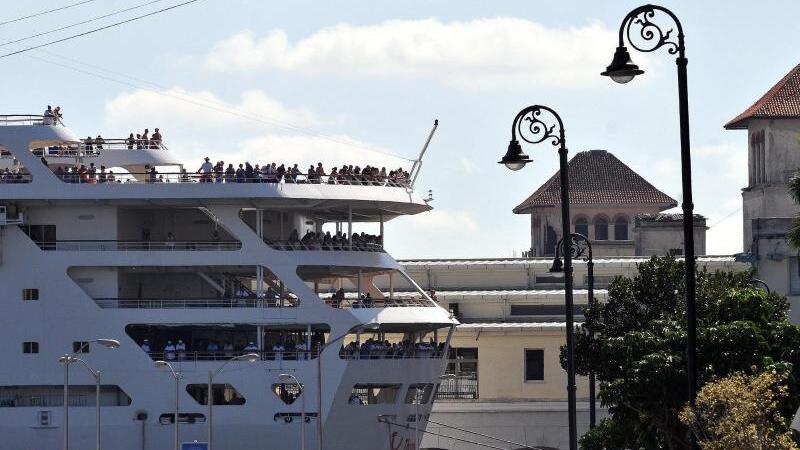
621,229
582,226
600,229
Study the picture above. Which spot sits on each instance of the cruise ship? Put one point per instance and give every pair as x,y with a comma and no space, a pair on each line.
305,339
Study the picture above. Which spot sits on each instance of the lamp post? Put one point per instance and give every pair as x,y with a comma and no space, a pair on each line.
535,132
249,357
365,327
650,37
581,248
284,377
756,283
177,377
69,359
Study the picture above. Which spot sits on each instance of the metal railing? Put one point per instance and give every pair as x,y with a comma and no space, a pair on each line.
462,387
377,303
130,303
45,401
94,148
22,119
224,355
212,178
15,178
111,245
330,246
403,353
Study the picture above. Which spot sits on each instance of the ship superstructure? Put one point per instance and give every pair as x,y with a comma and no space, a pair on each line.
196,270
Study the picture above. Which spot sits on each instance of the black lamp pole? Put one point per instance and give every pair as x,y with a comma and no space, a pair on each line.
649,37
535,132
581,248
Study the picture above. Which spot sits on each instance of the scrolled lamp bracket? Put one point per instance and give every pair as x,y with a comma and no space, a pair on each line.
532,127
645,32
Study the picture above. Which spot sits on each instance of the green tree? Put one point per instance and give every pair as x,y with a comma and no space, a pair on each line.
794,230
638,353
741,412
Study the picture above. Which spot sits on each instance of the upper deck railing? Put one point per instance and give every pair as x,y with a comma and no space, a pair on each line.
85,177
22,119
324,245
111,245
95,147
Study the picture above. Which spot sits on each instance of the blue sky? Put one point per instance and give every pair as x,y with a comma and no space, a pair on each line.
376,74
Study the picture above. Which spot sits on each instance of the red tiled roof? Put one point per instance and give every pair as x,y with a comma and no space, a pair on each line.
597,177
781,101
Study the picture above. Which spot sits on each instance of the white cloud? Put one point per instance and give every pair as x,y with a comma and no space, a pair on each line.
477,54
178,107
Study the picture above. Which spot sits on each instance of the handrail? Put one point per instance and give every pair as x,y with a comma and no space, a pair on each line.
341,246
376,303
211,178
161,303
112,245
15,178
21,119
405,353
223,355
94,148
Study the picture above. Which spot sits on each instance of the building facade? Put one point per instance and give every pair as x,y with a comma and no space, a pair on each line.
504,375
613,206
773,131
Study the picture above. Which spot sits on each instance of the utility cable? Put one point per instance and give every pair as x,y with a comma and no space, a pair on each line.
18,19
726,217
208,104
479,434
83,22
409,427
95,30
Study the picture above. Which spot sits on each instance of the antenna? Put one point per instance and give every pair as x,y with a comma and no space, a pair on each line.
418,162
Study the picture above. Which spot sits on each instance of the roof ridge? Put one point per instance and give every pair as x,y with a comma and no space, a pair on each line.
739,121
597,177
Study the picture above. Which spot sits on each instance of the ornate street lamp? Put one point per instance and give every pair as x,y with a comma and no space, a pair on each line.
534,130
645,35
581,248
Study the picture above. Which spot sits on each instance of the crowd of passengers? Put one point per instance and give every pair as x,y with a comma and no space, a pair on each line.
17,175
273,173
316,240
376,349
280,349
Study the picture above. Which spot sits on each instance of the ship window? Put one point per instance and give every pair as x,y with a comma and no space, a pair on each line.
374,394
30,294
47,396
419,394
80,347
534,365
224,394
363,287
288,393
30,347
169,418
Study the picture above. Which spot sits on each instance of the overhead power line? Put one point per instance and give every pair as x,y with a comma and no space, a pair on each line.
83,22
30,16
95,30
196,101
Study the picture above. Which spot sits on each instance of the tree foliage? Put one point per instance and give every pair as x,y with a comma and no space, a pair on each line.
741,412
794,230
638,353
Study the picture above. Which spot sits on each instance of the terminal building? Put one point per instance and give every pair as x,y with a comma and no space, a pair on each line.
506,379
773,156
